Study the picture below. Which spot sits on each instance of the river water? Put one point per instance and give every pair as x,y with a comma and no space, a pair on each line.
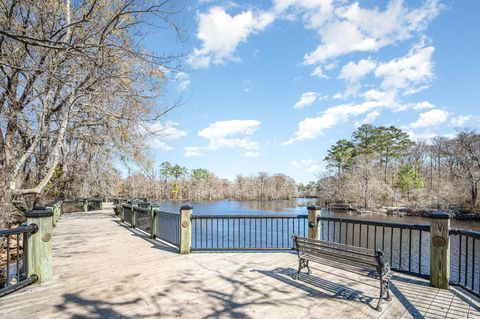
298,206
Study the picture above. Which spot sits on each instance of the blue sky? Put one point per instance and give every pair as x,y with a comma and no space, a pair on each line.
270,85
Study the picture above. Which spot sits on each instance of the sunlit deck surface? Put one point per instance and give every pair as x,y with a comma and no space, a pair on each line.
103,269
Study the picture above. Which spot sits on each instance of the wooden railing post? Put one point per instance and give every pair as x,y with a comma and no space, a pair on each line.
439,250
153,222
85,205
134,215
40,244
122,213
313,224
185,229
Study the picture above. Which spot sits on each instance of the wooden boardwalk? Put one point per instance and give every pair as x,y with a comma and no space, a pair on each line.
103,269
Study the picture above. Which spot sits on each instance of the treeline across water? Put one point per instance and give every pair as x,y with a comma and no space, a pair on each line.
174,182
381,166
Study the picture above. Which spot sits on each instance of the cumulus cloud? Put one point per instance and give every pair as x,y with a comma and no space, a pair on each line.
409,73
231,134
318,72
460,120
313,127
157,133
221,33
307,99
361,29
352,72
430,118
309,165
192,151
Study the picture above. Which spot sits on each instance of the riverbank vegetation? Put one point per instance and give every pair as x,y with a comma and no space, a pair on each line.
78,92
381,167
174,182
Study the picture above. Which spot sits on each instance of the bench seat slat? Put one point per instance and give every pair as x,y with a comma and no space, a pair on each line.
336,249
348,254
361,250
334,254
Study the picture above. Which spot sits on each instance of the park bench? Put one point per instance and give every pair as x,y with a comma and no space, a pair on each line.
372,260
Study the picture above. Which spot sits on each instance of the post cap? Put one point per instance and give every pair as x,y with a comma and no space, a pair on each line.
39,212
314,207
186,207
439,215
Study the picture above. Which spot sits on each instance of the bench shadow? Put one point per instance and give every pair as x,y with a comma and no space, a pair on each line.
156,244
330,289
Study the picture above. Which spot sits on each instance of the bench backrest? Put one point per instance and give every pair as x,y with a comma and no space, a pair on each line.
345,253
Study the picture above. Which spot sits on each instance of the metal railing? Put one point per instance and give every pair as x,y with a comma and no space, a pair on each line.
143,218
406,246
246,232
464,259
127,213
14,258
168,227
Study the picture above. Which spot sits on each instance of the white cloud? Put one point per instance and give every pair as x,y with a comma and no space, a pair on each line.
430,118
251,154
231,134
157,133
191,151
353,72
307,99
318,72
157,144
425,105
221,33
410,73
460,120
183,80
309,165
166,131
365,30
313,127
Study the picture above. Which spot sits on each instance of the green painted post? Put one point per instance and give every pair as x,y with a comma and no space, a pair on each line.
52,208
40,244
153,222
314,231
134,216
439,250
185,229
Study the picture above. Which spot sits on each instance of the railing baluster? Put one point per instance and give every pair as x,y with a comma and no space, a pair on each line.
383,238
466,260
7,276
346,233
368,234
473,264
340,241
18,258
410,251
459,258
360,236
334,231
400,249
375,237
420,253
391,246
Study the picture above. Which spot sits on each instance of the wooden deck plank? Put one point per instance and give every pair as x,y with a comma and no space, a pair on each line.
103,269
